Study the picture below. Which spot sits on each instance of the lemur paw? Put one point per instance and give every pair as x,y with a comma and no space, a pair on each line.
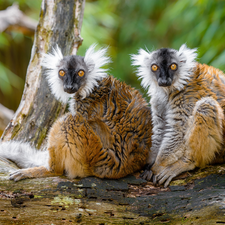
147,174
164,177
165,174
18,175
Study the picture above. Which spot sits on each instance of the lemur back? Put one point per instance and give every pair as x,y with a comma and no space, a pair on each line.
108,137
188,107
107,134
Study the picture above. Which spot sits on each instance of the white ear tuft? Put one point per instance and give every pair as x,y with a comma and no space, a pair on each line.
142,60
187,55
51,62
187,58
94,61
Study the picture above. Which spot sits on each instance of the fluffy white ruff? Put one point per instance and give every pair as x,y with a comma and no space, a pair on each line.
187,62
23,154
187,58
51,62
94,61
143,71
142,60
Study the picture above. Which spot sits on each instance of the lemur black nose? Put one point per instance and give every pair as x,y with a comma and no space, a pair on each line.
164,82
70,90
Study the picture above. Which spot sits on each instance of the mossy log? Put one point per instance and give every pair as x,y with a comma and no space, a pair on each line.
197,197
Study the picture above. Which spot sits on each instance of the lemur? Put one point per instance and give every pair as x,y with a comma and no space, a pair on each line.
188,108
107,132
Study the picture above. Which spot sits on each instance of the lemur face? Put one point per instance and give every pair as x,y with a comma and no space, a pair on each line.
74,74
72,70
164,66
167,68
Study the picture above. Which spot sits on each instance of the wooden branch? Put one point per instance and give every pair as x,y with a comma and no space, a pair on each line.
14,19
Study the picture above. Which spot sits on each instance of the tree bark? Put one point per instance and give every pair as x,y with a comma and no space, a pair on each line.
60,22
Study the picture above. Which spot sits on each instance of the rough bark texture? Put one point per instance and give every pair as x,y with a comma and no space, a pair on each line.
60,22
125,201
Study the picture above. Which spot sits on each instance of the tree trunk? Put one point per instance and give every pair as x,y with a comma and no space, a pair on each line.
60,22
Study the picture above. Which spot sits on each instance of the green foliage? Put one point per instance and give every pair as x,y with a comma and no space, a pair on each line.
125,26
155,24
99,22
9,79
15,50
29,7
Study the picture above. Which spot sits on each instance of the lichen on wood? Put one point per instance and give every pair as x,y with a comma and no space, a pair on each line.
101,201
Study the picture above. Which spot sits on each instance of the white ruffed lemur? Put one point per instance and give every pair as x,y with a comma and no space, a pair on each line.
107,132
188,107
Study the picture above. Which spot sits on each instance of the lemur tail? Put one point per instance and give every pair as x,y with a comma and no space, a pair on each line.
23,154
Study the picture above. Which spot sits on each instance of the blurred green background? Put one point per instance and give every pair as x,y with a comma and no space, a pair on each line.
125,26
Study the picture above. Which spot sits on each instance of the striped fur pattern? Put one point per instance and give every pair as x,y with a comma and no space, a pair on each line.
188,116
109,137
107,134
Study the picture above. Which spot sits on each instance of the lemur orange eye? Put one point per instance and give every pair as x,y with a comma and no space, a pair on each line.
62,73
154,67
173,66
81,73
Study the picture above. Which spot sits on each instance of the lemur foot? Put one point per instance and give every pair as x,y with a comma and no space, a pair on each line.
147,174
33,172
19,175
165,174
